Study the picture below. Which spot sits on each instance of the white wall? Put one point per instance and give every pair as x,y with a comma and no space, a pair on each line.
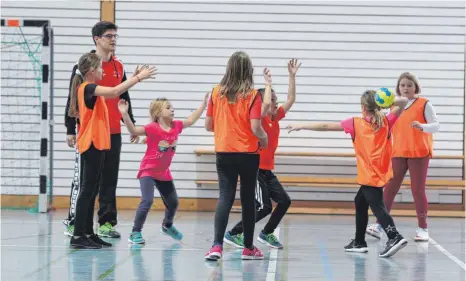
72,22
345,48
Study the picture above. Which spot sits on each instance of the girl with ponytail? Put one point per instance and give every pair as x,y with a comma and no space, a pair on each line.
372,141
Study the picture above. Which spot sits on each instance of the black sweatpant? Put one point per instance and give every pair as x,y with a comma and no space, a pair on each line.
269,188
93,161
369,196
108,182
107,185
229,167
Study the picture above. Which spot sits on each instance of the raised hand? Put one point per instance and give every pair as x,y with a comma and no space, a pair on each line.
293,66
267,76
146,71
123,106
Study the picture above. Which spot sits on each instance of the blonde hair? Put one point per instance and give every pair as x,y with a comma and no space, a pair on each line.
156,107
410,76
238,77
86,62
368,101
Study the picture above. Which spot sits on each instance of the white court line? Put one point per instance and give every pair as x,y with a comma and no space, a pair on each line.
448,254
271,271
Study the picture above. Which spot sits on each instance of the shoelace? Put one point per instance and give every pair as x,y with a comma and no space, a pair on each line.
272,237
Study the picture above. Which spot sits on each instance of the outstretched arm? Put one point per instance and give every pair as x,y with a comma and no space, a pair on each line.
293,67
133,130
196,114
327,126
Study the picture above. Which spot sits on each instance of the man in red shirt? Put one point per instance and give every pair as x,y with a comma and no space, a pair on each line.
269,186
105,37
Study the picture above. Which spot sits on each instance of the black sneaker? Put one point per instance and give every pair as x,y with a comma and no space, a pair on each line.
97,240
393,246
356,247
83,243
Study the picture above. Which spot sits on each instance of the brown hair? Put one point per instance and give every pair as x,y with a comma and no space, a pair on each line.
238,77
368,101
156,107
86,62
410,76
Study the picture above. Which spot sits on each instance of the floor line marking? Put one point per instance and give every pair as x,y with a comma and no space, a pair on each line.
272,270
448,254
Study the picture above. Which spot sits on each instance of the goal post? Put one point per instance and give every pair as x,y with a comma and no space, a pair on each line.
27,88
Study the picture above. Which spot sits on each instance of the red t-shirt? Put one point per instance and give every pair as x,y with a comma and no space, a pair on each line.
272,128
160,150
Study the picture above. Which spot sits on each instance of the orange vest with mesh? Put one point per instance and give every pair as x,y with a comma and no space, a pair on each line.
373,153
232,125
410,142
94,124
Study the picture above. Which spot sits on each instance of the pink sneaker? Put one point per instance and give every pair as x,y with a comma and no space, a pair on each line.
215,253
254,254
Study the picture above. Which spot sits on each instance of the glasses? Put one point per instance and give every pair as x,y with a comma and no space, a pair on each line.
110,36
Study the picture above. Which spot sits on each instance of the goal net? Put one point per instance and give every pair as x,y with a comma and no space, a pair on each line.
25,91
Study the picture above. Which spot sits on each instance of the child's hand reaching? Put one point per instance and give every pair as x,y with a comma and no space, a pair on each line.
293,127
293,67
123,106
144,72
267,76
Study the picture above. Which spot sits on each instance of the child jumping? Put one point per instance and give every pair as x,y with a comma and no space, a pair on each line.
161,138
372,141
269,186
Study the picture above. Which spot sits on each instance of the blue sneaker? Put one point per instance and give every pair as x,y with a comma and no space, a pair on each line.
270,239
235,240
172,232
136,238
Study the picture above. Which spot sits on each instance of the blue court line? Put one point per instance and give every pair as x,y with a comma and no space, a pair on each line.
323,255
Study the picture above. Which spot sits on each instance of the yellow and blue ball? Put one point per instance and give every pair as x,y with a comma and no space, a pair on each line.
384,97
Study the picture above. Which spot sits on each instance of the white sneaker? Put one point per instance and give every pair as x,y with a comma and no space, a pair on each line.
422,234
375,230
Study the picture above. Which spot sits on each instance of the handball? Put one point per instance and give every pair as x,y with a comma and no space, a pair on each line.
384,97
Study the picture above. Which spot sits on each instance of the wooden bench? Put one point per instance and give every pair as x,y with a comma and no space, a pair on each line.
200,152
441,210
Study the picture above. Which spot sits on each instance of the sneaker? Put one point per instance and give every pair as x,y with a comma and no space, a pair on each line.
83,242
215,253
422,234
97,240
69,230
107,230
356,247
254,254
270,239
172,232
235,240
375,230
136,238
393,246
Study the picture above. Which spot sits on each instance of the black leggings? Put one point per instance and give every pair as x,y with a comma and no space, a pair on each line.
229,167
93,161
369,196
269,188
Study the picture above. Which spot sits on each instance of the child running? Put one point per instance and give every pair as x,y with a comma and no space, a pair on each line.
412,150
161,138
269,186
87,102
372,141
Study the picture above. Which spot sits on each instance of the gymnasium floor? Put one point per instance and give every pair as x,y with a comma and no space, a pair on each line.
34,248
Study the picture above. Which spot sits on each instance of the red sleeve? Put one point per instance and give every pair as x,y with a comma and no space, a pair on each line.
210,109
150,129
280,114
256,108
391,119
178,125
348,126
